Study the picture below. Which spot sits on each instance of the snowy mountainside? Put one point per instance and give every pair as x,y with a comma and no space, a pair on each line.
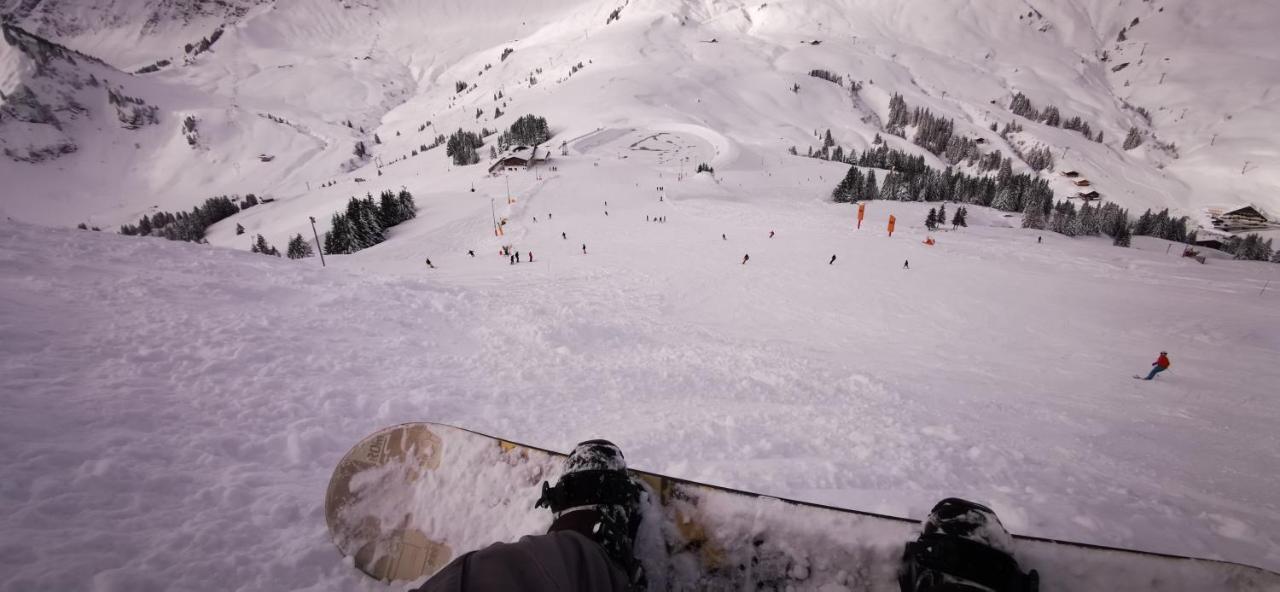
125,31
1201,74
58,92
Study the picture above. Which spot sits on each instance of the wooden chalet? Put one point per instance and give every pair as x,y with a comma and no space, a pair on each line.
1211,242
1070,174
518,158
1239,218
1088,196
1083,183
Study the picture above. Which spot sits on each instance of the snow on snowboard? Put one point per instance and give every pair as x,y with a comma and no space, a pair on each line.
410,498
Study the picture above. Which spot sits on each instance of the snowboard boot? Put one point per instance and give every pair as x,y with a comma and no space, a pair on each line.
963,548
597,498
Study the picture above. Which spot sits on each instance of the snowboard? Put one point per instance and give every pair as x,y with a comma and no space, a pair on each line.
410,498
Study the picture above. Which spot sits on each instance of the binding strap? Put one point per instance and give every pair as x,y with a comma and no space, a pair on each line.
968,560
597,487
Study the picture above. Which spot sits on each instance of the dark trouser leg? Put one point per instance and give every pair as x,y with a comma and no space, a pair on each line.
561,561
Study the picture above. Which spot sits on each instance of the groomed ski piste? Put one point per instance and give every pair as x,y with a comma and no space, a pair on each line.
170,413
173,411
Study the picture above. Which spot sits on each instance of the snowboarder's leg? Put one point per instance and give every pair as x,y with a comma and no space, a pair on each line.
1154,371
588,547
561,560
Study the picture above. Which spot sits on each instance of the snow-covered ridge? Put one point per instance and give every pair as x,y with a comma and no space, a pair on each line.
57,87
1192,80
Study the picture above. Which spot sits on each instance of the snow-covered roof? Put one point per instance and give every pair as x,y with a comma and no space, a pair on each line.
1244,210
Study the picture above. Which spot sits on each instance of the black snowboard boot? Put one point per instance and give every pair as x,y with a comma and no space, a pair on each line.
963,548
597,498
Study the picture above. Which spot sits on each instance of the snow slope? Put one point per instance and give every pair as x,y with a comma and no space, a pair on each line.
172,411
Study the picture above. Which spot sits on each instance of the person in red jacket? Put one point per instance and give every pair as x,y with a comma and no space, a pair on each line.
1160,365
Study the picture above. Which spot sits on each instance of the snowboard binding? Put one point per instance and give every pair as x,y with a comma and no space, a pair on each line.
597,498
963,548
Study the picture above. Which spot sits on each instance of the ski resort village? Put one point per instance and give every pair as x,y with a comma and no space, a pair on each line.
810,267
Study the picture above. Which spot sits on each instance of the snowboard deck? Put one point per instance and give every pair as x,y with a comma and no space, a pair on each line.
410,498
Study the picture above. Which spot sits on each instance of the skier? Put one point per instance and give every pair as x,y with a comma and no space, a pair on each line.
530,256
584,248
429,263
906,264
564,236
746,258
646,218
535,219
1160,365
1039,239
832,261
517,256
471,252
513,259
548,215
588,547
770,234
723,237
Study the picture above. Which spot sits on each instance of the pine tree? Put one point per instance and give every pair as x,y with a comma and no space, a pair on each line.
299,248
1051,116
339,241
1122,235
376,139
898,115
260,246
848,187
1144,224
408,209
360,150
942,215
1133,140
389,209
1064,220
869,189
239,229
1084,223
1007,199
1006,171
1033,215
1021,105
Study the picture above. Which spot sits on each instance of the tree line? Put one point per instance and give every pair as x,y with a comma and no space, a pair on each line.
528,130
364,222
1021,105
908,178
184,226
